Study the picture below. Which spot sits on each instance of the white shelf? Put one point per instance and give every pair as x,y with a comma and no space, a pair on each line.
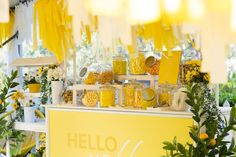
35,127
33,95
136,77
33,62
93,87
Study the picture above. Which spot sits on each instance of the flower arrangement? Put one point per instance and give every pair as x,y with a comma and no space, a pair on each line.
30,79
210,129
55,73
192,73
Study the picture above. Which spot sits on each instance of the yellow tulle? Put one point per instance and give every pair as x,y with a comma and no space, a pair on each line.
6,29
55,27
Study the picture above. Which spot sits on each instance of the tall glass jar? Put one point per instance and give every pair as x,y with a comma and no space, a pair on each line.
152,65
148,98
106,74
120,64
138,91
90,98
107,96
129,93
137,63
165,94
89,74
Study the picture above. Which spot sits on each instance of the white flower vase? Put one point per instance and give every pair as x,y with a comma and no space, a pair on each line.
57,89
29,114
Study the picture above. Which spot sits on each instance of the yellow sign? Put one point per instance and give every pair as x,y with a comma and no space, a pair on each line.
96,134
169,67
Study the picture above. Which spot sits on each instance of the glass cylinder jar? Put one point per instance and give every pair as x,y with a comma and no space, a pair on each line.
90,98
138,91
152,65
106,74
89,74
148,98
129,93
107,96
119,65
165,94
137,63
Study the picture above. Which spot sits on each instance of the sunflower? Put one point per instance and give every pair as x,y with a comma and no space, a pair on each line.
15,106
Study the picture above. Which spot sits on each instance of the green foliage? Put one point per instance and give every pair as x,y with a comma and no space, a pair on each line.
45,86
7,131
207,117
228,91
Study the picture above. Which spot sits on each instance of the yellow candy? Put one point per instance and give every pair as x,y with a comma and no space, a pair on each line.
90,98
91,79
120,67
129,95
137,64
107,98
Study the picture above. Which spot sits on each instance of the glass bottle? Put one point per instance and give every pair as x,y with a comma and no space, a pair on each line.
165,94
90,98
137,64
107,96
129,93
120,64
105,74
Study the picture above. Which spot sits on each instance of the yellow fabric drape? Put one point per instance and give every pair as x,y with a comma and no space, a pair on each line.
6,29
161,32
55,27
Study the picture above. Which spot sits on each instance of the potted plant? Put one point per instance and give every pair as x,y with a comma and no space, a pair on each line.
29,112
56,75
32,82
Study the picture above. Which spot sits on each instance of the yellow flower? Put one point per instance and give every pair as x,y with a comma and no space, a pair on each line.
206,77
40,70
43,145
194,62
15,106
212,142
14,97
203,136
20,95
1,102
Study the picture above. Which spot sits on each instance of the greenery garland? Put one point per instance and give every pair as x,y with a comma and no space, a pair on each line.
7,131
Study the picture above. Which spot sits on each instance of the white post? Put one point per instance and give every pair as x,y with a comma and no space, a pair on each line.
37,140
8,152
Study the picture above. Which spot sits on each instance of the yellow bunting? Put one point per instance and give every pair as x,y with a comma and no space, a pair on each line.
88,33
55,27
6,29
141,11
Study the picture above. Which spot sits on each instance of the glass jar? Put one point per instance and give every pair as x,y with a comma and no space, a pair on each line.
137,63
152,65
138,91
89,74
107,96
129,93
120,65
105,74
165,94
148,98
90,98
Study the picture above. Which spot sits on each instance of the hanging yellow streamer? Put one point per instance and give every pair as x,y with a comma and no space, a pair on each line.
55,27
6,29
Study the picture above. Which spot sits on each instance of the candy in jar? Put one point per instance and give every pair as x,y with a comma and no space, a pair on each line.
107,96
129,93
137,63
119,65
90,98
